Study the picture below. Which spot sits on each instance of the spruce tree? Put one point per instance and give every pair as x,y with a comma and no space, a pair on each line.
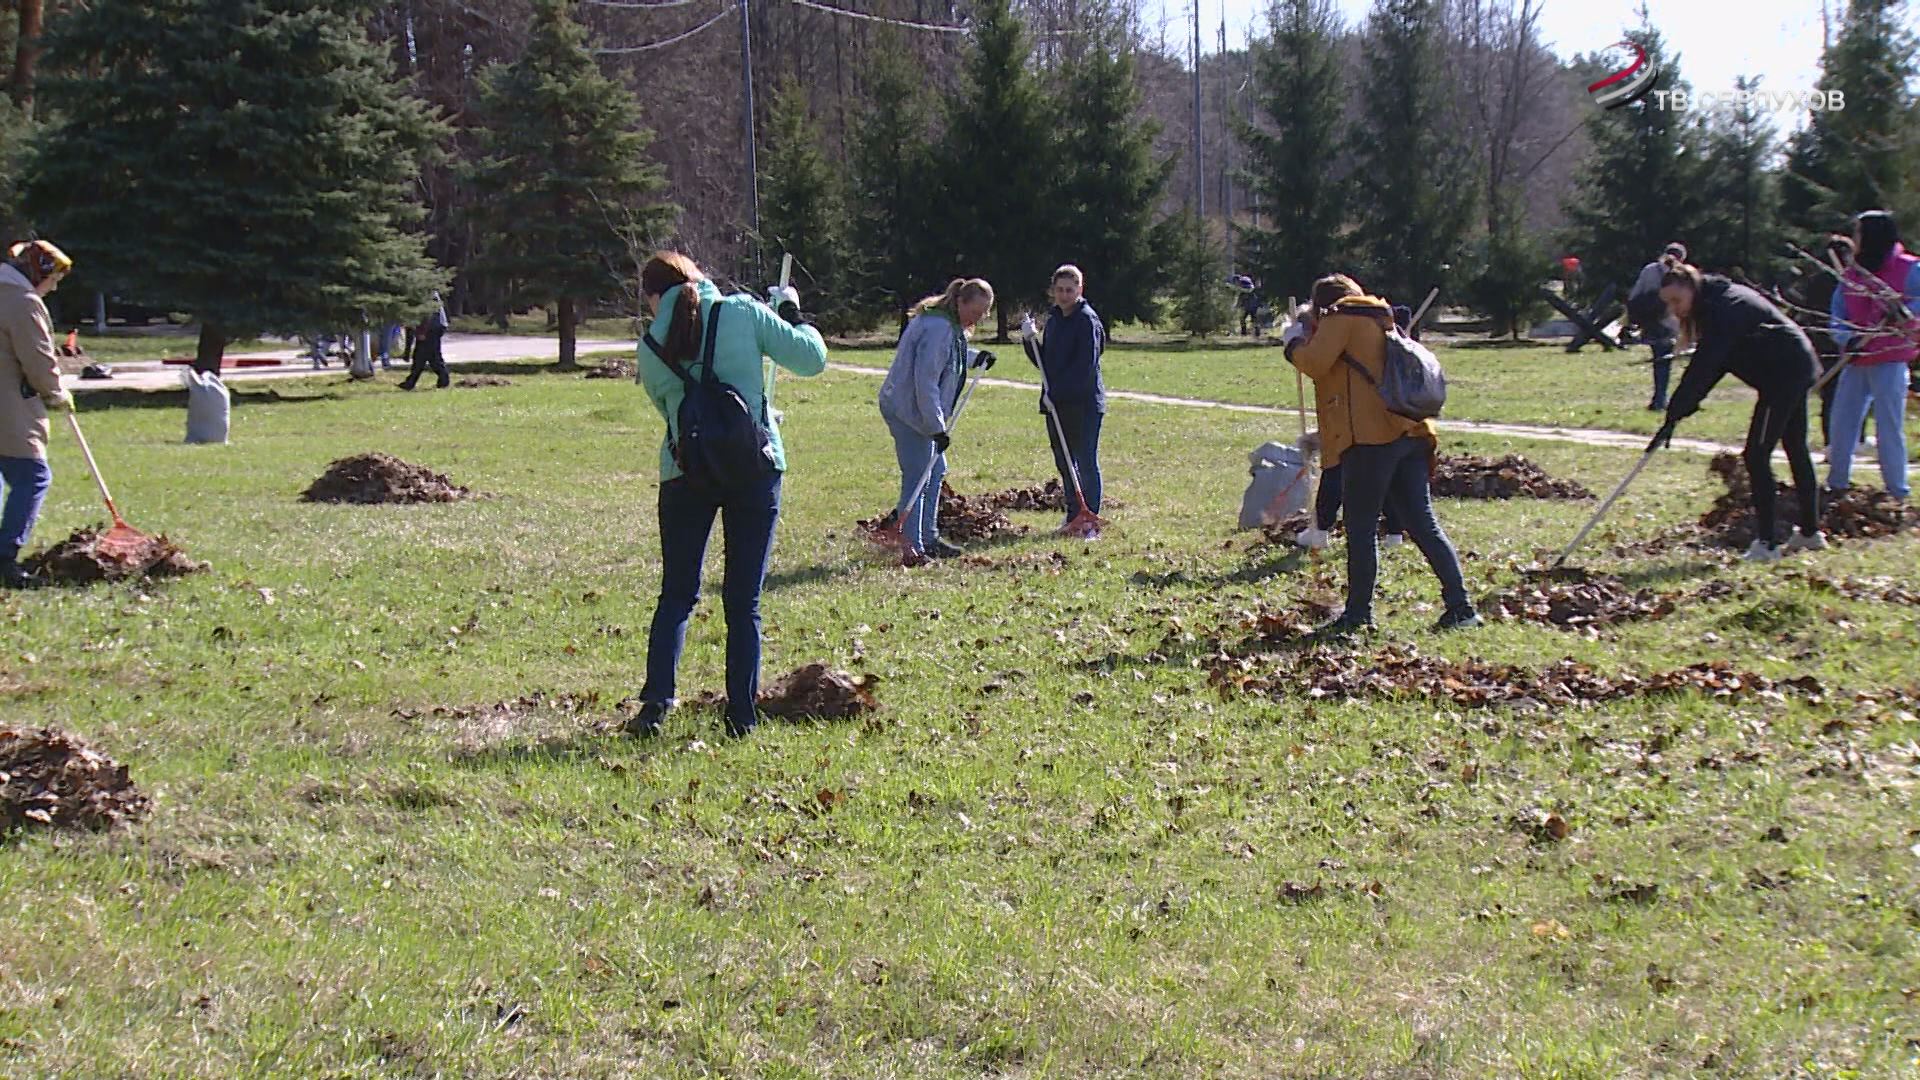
1864,156
1737,225
1112,184
894,218
1292,140
1635,191
251,162
802,211
1507,288
1414,181
15,133
997,166
566,199
1202,302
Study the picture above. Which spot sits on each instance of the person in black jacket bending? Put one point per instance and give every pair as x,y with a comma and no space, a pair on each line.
1070,359
1735,330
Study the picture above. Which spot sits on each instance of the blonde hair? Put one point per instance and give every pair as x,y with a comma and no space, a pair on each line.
1332,289
957,290
1071,273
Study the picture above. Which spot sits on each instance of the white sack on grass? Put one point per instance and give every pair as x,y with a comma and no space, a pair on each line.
208,406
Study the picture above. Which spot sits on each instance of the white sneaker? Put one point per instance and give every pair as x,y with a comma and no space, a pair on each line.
1392,540
1313,539
1804,541
1761,551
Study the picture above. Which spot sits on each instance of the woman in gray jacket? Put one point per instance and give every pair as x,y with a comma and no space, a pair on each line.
917,399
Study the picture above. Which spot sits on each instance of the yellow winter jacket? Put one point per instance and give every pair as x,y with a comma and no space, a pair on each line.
1350,409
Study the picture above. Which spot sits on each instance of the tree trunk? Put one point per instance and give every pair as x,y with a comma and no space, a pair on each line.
568,333
213,345
26,52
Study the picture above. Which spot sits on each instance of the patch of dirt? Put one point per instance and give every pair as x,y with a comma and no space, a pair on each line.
475,727
617,368
382,478
1468,476
80,560
1401,671
1861,513
51,778
1576,599
818,692
475,382
963,519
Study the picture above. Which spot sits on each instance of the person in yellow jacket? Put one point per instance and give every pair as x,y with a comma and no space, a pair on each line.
29,386
1384,458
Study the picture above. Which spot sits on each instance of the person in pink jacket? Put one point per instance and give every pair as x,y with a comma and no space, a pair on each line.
1873,320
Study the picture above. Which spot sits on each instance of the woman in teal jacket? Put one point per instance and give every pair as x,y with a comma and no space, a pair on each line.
682,298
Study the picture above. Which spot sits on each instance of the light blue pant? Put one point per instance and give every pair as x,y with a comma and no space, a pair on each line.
1884,388
920,523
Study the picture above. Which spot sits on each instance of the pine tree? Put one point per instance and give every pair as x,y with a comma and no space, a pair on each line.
997,168
1634,191
1112,184
1864,156
1293,147
894,219
1738,226
567,201
1507,289
15,134
1202,303
802,211
1414,180
248,161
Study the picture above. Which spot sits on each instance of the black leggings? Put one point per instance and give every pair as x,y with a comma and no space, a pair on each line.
1781,420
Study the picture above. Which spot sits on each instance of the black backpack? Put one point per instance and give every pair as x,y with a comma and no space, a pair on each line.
721,447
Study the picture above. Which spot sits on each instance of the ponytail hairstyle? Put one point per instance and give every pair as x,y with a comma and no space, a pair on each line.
957,290
1689,275
661,273
1330,290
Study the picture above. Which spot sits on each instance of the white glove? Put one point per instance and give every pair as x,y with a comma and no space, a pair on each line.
1294,334
1028,331
780,294
58,401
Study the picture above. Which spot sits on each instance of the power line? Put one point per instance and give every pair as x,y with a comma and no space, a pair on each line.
664,42
661,5
939,28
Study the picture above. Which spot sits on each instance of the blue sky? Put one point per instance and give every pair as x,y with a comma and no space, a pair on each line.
1778,40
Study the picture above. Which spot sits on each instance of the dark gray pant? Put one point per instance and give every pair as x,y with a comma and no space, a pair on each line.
1373,477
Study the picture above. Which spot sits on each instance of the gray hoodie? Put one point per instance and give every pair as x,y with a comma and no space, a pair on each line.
928,368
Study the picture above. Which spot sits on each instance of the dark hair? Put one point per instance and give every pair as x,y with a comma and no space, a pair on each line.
1878,233
661,273
1689,275
1332,289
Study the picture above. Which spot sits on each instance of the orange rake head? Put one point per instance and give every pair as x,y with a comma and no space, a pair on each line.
122,542
1086,525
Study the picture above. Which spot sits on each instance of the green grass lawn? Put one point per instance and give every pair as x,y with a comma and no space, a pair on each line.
121,347
1057,851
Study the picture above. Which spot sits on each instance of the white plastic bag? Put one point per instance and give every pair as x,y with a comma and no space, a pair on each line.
208,406
1281,487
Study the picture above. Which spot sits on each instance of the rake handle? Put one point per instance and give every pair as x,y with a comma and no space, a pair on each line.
93,467
1299,380
1604,507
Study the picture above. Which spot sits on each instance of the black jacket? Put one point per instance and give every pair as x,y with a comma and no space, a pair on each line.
1071,355
1741,333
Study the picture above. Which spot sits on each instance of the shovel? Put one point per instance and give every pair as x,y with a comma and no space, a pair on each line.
123,540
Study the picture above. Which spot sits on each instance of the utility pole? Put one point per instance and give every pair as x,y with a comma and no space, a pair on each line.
1199,184
1221,104
753,168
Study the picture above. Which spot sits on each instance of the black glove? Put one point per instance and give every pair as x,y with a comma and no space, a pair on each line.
941,440
983,360
1663,437
789,311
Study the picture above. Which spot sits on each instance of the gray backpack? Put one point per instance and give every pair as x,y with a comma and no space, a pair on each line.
1412,384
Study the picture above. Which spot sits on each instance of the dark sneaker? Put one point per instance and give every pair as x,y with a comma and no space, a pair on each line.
1344,626
739,727
406,384
1459,619
15,576
646,722
940,549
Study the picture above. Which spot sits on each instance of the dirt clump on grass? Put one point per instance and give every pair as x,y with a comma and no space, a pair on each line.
51,778
80,559
963,519
1577,599
617,368
1468,476
476,382
1859,513
378,478
818,692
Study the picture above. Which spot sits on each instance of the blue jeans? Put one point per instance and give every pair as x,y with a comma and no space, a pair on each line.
686,520
920,522
1081,426
27,480
1884,388
1373,477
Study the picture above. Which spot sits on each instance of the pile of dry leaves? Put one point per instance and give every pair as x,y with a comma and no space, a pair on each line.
1860,513
618,367
382,478
49,777
81,560
810,692
1577,599
1401,671
476,382
963,519
1467,476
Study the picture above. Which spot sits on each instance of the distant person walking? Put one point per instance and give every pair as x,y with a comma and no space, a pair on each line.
428,339
29,387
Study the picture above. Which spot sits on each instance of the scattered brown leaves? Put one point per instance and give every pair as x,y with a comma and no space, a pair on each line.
818,692
80,560
475,382
382,478
1576,599
1469,476
1881,589
963,518
618,367
51,778
1860,513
